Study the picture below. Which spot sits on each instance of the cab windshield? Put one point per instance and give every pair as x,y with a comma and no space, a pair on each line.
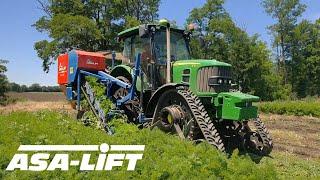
179,48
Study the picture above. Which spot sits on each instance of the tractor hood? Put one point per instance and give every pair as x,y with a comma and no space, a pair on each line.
200,63
196,73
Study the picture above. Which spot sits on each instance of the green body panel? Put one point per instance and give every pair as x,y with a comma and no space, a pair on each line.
127,68
235,106
129,32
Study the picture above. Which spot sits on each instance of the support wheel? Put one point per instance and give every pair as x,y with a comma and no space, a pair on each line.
259,141
131,108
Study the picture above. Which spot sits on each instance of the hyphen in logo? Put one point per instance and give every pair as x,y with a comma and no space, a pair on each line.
39,161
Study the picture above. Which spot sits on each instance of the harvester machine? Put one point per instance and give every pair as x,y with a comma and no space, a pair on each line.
158,85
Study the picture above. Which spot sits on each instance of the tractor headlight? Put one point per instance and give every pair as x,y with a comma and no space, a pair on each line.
217,81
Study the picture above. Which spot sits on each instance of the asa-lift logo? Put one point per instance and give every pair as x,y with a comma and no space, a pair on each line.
108,157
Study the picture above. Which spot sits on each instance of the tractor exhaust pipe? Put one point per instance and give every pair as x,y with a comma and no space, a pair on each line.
164,22
168,54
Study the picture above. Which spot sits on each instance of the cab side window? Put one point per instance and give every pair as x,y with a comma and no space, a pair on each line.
135,45
141,45
127,49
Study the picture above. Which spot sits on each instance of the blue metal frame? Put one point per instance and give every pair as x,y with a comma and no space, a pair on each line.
110,81
132,89
113,59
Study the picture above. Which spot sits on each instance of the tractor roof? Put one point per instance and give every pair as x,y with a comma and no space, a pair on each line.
135,30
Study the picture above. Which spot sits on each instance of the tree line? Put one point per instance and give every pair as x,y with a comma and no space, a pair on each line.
290,69
297,45
14,87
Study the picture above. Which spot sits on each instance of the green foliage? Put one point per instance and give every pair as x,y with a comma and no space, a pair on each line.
3,82
297,45
305,64
294,167
224,41
308,107
165,156
90,25
99,90
286,13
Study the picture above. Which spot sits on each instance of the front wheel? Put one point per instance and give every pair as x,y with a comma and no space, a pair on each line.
258,141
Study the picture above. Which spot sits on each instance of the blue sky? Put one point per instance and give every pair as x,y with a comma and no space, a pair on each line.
17,36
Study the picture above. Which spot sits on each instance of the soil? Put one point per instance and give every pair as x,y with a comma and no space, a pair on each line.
38,96
294,134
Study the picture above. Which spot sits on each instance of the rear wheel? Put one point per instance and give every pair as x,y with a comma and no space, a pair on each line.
182,112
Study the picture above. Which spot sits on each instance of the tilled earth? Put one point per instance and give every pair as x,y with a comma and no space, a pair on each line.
293,134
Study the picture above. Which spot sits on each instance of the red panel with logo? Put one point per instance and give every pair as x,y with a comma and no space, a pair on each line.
91,61
63,69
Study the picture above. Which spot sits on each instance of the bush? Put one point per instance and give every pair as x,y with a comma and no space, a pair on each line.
165,156
307,107
6,100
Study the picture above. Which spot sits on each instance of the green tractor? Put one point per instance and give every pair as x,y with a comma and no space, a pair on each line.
193,98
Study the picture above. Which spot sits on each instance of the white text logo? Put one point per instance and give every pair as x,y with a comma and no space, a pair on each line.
41,161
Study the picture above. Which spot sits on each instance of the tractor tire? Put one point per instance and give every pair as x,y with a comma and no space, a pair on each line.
195,117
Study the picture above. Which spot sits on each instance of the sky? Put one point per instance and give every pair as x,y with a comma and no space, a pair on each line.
17,36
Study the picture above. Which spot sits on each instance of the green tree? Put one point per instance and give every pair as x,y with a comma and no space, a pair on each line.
3,81
14,87
286,14
88,24
223,40
212,22
305,64
35,88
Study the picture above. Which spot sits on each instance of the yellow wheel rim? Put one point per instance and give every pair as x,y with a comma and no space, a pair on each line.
170,118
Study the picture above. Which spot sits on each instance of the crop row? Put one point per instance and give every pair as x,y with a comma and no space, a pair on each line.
297,108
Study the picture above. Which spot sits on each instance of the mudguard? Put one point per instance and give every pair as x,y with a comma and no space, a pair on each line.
127,72
156,95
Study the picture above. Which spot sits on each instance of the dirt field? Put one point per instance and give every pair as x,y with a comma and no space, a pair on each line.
35,101
38,96
291,134
296,135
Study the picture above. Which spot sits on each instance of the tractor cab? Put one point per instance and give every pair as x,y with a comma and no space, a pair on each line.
151,41
206,77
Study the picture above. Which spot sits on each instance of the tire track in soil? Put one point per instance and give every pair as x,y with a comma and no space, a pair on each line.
294,134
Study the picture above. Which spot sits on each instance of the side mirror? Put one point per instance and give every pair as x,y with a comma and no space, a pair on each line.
143,31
